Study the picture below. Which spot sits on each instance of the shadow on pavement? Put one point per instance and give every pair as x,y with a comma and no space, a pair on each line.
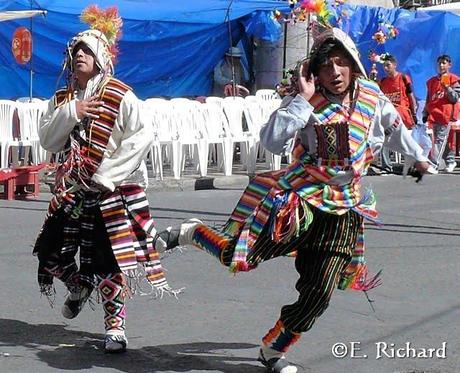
74,350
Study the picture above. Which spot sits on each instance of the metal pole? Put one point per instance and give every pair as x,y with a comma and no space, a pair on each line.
308,34
284,49
31,55
231,45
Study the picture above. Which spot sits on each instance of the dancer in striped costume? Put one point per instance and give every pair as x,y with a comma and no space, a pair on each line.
315,208
99,207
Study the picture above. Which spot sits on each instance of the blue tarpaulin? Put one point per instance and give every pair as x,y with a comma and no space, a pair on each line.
423,36
168,48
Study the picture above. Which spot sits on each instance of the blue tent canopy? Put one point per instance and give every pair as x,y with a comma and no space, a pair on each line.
423,36
168,48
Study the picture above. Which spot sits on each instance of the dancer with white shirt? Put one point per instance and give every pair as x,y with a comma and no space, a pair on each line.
99,207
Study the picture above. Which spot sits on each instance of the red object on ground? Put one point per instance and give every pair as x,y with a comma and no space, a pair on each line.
15,182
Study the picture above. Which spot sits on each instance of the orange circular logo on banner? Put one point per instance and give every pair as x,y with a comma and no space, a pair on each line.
21,45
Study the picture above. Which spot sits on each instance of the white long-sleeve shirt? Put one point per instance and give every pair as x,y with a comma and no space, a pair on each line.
123,161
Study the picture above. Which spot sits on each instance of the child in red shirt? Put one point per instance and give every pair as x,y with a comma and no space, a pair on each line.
441,108
398,88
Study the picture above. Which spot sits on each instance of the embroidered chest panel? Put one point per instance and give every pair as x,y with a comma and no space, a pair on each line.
332,141
342,133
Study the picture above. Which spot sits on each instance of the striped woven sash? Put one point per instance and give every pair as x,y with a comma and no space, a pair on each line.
129,227
83,156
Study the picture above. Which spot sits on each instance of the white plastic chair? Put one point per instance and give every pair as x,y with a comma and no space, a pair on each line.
155,100
180,100
28,100
267,94
256,116
233,109
154,155
7,108
164,137
269,106
185,113
29,114
215,129
215,100
252,98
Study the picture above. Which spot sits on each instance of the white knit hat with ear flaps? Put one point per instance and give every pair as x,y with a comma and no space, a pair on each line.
101,38
96,41
340,36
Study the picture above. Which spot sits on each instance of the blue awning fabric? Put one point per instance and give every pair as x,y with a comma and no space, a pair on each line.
168,48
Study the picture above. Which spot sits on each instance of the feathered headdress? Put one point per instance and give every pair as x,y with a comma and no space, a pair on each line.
107,21
101,38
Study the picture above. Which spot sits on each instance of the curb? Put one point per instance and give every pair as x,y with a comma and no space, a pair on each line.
185,184
202,183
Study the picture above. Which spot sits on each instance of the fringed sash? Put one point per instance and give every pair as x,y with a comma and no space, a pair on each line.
131,230
282,199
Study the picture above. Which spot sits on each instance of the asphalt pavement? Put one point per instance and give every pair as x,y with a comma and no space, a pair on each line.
216,324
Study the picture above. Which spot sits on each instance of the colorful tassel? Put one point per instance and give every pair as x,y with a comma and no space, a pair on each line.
292,218
356,277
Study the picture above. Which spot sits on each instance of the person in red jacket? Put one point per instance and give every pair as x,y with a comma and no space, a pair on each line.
398,88
441,108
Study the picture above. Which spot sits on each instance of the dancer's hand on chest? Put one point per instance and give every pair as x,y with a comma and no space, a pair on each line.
90,108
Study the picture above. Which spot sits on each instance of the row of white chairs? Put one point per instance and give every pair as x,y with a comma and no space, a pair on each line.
29,114
178,126
182,124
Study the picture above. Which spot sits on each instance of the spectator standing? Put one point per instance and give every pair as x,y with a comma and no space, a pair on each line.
441,108
230,77
397,87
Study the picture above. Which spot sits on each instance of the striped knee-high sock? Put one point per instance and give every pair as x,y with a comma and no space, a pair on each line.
279,338
113,293
213,242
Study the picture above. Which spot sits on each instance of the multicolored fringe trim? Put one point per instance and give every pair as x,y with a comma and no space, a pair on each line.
130,228
291,216
356,277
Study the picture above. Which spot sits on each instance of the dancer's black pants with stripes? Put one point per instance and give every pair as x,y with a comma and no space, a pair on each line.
323,252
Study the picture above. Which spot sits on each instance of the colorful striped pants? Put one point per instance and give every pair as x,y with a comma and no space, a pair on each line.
323,252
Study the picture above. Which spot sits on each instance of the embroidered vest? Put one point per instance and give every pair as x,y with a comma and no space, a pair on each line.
342,144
